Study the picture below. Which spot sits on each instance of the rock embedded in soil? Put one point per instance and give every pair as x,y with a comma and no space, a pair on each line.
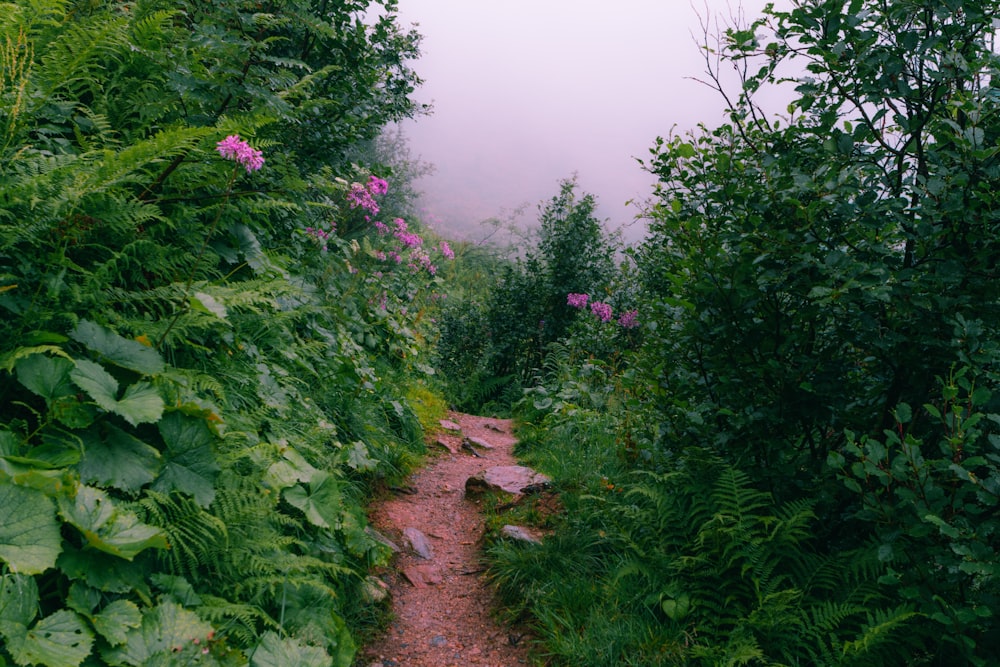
509,479
418,542
449,425
519,534
479,442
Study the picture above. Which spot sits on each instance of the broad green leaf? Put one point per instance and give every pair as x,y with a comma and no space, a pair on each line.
167,630
99,384
104,572
274,651
208,304
107,527
118,459
358,458
18,605
321,503
118,350
45,376
83,598
29,531
62,639
114,621
189,463
141,404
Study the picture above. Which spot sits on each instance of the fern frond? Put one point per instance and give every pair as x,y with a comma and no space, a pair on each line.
197,539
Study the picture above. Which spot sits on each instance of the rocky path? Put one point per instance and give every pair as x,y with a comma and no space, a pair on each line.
441,604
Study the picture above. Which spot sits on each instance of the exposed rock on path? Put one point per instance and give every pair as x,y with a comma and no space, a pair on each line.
441,604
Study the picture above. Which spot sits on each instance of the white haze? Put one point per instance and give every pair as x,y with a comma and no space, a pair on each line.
526,93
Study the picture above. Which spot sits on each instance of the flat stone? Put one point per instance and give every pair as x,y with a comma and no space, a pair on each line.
510,479
447,444
479,442
519,534
418,542
449,425
422,576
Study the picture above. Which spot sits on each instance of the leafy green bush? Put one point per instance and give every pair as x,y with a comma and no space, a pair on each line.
198,369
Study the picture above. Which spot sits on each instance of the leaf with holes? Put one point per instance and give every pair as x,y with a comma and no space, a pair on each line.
59,640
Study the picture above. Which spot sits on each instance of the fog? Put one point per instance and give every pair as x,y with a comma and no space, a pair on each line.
526,93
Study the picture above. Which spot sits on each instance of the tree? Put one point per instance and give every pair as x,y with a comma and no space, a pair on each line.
822,275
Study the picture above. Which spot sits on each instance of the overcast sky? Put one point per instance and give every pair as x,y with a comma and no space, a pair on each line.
528,92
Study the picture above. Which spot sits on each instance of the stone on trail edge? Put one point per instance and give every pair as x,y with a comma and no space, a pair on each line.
510,479
418,542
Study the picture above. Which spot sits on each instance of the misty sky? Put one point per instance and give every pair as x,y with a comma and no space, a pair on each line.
528,92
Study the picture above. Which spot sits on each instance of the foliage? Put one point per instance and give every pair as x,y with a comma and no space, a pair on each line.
195,393
817,367
497,342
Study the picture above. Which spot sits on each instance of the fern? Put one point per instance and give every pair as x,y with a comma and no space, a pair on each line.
197,539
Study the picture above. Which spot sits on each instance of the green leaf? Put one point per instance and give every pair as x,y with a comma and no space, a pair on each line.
99,384
97,569
47,377
59,640
118,350
321,503
189,463
358,458
109,528
9,360
274,651
18,605
167,630
29,531
207,303
118,459
114,621
141,404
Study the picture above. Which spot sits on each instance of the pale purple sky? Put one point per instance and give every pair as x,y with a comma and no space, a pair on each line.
528,92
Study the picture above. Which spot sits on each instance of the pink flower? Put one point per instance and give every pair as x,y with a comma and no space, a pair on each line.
628,319
234,148
601,310
409,240
377,186
359,197
381,228
577,300
446,250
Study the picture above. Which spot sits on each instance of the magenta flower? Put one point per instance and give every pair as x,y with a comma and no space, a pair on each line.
377,186
409,240
381,228
601,310
234,148
359,197
446,250
629,319
577,300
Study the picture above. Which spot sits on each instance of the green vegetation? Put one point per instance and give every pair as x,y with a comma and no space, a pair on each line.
206,342
774,425
794,458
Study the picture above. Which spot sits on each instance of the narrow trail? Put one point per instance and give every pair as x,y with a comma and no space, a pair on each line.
441,605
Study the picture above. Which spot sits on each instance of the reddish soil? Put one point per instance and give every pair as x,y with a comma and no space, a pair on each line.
442,606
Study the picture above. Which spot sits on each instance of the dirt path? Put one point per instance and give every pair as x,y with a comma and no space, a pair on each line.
441,605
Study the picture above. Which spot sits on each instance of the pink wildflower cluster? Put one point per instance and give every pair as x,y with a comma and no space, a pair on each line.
406,237
234,148
601,310
446,250
359,196
629,319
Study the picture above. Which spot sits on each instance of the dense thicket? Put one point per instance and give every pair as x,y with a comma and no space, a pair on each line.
813,415
207,325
